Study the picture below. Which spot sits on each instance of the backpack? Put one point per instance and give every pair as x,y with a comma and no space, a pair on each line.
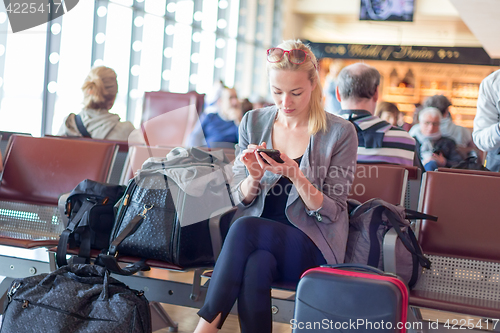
470,163
369,224
166,211
75,299
90,208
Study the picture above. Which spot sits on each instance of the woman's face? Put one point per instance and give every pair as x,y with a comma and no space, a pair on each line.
291,91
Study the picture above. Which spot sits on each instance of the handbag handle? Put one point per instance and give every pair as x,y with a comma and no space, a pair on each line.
359,267
81,270
83,273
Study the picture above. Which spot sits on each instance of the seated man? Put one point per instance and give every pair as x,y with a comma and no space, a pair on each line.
435,149
218,126
378,141
461,135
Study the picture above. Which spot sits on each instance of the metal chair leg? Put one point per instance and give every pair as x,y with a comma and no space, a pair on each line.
161,319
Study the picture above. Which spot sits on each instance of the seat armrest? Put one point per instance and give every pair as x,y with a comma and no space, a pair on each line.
215,228
61,205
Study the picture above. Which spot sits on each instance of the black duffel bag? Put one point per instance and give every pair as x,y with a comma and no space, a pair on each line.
166,210
90,208
75,299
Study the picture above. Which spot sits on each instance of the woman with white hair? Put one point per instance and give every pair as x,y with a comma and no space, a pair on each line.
435,150
95,121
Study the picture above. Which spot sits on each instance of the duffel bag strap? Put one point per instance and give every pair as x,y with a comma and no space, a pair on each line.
374,253
109,260
415,215
131,227
411,246
111,264
64,237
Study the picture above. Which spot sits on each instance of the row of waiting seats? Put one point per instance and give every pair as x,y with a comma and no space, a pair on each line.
465,276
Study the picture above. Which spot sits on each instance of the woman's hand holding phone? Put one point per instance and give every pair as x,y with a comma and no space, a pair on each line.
278,163
249,159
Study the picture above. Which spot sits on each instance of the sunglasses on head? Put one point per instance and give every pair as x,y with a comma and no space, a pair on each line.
295,56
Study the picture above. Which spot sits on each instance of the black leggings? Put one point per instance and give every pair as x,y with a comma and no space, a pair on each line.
256,253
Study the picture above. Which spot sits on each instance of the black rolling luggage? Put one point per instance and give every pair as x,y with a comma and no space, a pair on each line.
350,298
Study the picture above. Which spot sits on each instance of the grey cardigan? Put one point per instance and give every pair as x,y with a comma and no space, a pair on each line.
329,163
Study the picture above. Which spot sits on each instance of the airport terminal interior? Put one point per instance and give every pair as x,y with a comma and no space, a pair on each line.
172,60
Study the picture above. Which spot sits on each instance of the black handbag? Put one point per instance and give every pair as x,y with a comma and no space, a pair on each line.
166,210
75,299
90,208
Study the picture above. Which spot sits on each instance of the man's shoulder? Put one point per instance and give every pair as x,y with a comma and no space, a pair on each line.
399,132
336,120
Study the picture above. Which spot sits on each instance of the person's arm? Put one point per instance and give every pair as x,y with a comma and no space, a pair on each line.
340,175
486,134
245,188
416,158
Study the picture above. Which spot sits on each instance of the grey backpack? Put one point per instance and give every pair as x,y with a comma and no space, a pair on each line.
75,299
369,224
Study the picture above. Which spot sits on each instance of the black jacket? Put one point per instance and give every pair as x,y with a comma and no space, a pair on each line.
448,148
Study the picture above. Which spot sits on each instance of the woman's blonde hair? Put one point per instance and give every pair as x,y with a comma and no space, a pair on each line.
100,88
317,115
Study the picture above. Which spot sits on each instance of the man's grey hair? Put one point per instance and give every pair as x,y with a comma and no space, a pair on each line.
439,102
432,111
358,81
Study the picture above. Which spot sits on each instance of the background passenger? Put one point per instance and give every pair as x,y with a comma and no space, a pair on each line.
378,141
389,112
99,94
487,121
332,104
416,110
291,216
218,126
461,135
246,106
260,103
435,149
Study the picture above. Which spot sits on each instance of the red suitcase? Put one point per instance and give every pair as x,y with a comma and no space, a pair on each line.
350,298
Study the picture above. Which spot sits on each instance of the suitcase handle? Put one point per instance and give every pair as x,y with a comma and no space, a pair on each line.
360,267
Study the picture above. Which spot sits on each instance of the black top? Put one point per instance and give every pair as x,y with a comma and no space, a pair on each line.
276,198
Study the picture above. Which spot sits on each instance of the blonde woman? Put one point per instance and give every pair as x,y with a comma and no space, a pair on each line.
95,121
292,215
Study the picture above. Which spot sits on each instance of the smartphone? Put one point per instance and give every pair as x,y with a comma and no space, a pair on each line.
272,153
